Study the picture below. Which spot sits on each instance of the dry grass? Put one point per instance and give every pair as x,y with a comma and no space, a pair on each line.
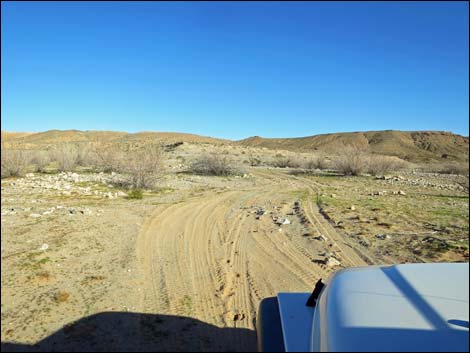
61,296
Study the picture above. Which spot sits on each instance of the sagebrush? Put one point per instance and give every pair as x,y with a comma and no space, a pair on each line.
213,164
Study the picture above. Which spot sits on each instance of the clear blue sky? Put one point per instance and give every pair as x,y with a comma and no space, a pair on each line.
233,70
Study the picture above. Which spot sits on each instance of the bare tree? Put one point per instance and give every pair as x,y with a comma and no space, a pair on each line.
351,161
107,158
66,156
13,162
144,166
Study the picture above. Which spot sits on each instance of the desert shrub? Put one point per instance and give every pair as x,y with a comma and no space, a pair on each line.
84,157
286,162
380,165
66,156
213,164
143,167
351,161
454,168
253,161
14,162
106,158
464,184
316,162
40,159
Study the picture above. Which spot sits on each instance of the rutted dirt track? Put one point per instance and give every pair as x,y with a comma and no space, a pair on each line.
209,258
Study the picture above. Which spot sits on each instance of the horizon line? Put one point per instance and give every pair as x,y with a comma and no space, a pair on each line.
221,138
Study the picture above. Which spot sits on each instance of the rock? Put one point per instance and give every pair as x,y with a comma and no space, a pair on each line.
286,221
35,215
364,243
121,193
86,211
72,211
333,195
400,192
44,247
331,262
352,208
382,236
29,175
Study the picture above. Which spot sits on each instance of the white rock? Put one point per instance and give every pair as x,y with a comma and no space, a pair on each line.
286,221
333,262
44,247
35,215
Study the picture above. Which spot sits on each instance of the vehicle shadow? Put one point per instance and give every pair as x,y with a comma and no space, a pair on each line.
132,332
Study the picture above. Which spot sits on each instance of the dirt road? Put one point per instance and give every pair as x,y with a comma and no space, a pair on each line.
210,257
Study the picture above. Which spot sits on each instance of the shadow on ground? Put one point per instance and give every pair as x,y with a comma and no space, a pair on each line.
124,332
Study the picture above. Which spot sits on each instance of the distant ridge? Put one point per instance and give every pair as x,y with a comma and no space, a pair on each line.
46,138
409,145
415,146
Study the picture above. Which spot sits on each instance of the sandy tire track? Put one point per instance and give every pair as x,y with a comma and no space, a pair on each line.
209,259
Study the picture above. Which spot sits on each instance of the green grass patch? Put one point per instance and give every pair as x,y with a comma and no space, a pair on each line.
135,194
319,201
302,195
187,303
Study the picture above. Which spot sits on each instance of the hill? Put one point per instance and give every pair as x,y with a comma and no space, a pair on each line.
416,146
51,137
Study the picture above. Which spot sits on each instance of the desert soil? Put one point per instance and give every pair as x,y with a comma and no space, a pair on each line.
185,267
